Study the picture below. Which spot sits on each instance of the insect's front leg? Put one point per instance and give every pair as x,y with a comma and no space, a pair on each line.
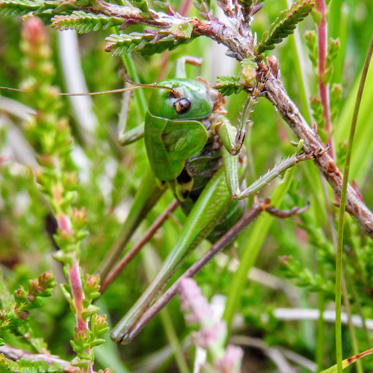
228,136
272,174
134,134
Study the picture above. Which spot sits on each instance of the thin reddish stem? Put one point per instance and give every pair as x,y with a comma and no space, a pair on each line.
322,39
75,280
78,296
184,7
113,274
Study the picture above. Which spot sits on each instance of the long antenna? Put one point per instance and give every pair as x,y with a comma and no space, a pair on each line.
119,90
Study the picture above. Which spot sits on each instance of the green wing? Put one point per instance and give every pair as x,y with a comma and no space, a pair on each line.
169,143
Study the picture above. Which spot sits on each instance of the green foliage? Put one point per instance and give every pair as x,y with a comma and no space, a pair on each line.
333,49
16,307
95,193
335,99
19,7
26,366
285,24
247,3
145,43
141,4
311,44
84,22
31,298
229,85
305,278
85,340
317,112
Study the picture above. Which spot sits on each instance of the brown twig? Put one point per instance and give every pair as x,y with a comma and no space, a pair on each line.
322,40
16,354
112,275
276,93
240,43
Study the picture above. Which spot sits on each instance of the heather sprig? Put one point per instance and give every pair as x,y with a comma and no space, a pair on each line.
285,24
49,133
228,85
84,22
16,307
24,365
335,99
311,43
304,277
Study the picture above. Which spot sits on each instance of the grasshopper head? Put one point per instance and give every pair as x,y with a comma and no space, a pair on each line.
189,99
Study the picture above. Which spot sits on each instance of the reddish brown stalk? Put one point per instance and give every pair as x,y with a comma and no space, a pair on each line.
322,40
78,296
77,292
76,284
276,93
16,354
112,275
185,7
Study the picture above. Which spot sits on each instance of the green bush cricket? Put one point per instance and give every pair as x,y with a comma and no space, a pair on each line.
191,147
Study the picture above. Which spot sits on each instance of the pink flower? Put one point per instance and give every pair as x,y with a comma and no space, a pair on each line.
231,361
64,224
211,336
33,31
192,300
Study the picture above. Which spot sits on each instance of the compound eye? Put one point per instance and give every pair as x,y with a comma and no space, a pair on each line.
182,105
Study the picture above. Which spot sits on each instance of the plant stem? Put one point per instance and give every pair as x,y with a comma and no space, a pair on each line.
139,93
338,285
174,341
78,295
322,39
320,330
351,328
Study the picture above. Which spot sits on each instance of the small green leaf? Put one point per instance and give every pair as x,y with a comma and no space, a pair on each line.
285,24
141,4
145,43
311,44
84,22
18,7
228,85
183,30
